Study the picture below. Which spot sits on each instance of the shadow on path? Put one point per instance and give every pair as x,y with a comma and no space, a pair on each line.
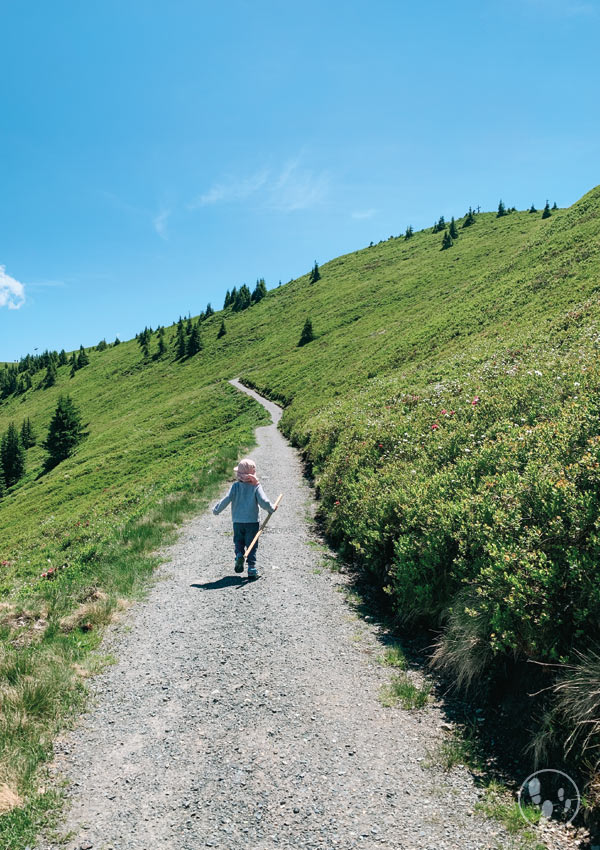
226,581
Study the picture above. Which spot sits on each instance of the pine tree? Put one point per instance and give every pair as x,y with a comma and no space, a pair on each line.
209,311
227,301
188,326
315,274
117,341
439,225
408,233
501,209
101,345
469,218
144,342
162,346
260,290
307,334
194,344
222,329
447,241
50,376
546,211
180,341
554,206
12,455
62,358
233,296
82,358
28,435
64,432
243,299
532,209
452,229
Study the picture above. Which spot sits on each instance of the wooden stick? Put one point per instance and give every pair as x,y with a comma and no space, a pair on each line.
261,529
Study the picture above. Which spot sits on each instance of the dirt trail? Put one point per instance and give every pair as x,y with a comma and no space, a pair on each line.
246,715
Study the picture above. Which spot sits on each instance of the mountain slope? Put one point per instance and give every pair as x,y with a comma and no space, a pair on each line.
448,407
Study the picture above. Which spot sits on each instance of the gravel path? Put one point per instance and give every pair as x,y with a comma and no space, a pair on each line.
246,715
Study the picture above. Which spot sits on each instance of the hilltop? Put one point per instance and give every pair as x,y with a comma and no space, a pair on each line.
447,408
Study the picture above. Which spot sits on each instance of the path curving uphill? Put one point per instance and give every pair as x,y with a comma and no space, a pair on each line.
246,715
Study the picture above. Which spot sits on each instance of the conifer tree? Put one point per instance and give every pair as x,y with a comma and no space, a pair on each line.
409,233
117,341
222,329
453,232
209,311
243,299
64,432
447,241
315,274
532,209
28,435
501,209
180,341
439,225
101,345
227,301
50,376
546,211
194,344
62,358
233,296
469,218
260,290
27,381
82,358
162,346
12,455
188,326
307,334
554,206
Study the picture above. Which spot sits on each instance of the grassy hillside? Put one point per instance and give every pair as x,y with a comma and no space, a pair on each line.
448,407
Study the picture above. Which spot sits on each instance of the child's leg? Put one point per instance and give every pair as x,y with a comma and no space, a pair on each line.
250,530
239,538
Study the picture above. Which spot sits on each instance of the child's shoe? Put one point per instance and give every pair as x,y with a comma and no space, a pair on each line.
239,564
252,572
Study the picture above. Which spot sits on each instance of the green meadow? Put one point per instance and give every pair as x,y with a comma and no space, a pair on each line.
449,410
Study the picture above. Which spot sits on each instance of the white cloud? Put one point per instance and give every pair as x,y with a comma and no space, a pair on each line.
12,293
160,223
362,214
231,190
297,189
285,190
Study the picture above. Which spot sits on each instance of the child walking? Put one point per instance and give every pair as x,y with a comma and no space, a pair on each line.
245,496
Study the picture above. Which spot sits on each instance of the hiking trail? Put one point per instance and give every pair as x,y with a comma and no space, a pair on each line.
246,714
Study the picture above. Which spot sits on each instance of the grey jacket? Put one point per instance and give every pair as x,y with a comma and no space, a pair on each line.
244,499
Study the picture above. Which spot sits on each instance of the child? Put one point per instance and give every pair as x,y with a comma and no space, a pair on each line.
245,496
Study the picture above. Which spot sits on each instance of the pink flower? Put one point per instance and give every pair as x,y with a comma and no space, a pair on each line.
443,412
337,501
475,400
435,426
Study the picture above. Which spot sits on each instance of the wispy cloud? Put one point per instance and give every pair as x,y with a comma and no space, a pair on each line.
12,292
160,223
43,284
231,189
362,214
286,189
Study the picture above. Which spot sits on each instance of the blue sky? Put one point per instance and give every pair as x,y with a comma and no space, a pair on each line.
155,154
